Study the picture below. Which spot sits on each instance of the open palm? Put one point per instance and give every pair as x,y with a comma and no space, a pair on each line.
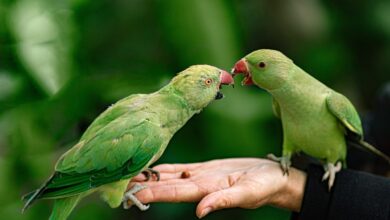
226,183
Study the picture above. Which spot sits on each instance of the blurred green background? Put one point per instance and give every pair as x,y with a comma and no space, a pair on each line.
64,62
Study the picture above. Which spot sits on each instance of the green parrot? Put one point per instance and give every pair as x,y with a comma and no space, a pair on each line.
126,139
316,120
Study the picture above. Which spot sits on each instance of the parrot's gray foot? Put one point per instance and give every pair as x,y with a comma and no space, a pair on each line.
284,161
149,173
330,173
130,197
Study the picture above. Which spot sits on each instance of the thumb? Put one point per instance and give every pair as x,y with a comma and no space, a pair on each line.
226,198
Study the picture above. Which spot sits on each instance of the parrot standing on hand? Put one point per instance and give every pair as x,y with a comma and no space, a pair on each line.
126,139
316,120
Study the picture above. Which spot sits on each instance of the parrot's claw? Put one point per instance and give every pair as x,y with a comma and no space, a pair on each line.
149,173
330,173
129,198
284,161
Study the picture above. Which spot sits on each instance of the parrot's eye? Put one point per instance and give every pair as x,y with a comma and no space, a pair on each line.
262,65
208,81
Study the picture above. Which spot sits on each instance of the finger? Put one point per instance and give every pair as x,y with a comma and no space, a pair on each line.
159,183
139,178
227,198
179,192
173,168
170,182
163,176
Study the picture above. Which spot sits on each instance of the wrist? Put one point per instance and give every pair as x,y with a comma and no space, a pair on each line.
290,195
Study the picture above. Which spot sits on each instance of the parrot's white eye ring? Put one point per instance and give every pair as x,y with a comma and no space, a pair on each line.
208,81
262,65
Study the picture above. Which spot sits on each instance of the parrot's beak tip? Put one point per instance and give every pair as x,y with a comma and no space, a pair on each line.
226,78
241,68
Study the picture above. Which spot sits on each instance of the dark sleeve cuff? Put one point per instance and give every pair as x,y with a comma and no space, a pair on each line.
355,195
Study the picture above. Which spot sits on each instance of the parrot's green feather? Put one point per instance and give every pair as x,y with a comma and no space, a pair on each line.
113,145
109,115
72,190
126,139
68,184
372,149
276,108
64,179
343,109
315,119
110,155
29,195
63,207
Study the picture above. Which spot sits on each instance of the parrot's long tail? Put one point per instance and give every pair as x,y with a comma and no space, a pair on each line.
372,149
63,207
31,197
375,151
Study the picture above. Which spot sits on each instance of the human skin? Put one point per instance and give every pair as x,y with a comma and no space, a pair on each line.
226,183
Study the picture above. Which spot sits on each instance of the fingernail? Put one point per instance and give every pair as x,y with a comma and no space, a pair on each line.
205,212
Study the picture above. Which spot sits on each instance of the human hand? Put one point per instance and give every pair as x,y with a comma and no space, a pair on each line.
227,183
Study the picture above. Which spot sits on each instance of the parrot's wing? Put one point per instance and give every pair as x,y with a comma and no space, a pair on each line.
116,152
112,146
276,108
113,112
344,111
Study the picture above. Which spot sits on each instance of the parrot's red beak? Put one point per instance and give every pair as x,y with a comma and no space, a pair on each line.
226,78
241,68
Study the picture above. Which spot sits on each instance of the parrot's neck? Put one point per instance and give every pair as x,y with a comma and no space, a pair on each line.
175,108
300,87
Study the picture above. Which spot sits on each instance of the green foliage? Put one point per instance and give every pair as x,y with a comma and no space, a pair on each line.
64,62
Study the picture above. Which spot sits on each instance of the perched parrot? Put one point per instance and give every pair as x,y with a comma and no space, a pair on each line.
126,139
316,120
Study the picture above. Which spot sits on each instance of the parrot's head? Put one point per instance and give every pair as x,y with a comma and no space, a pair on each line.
268,69
201,84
